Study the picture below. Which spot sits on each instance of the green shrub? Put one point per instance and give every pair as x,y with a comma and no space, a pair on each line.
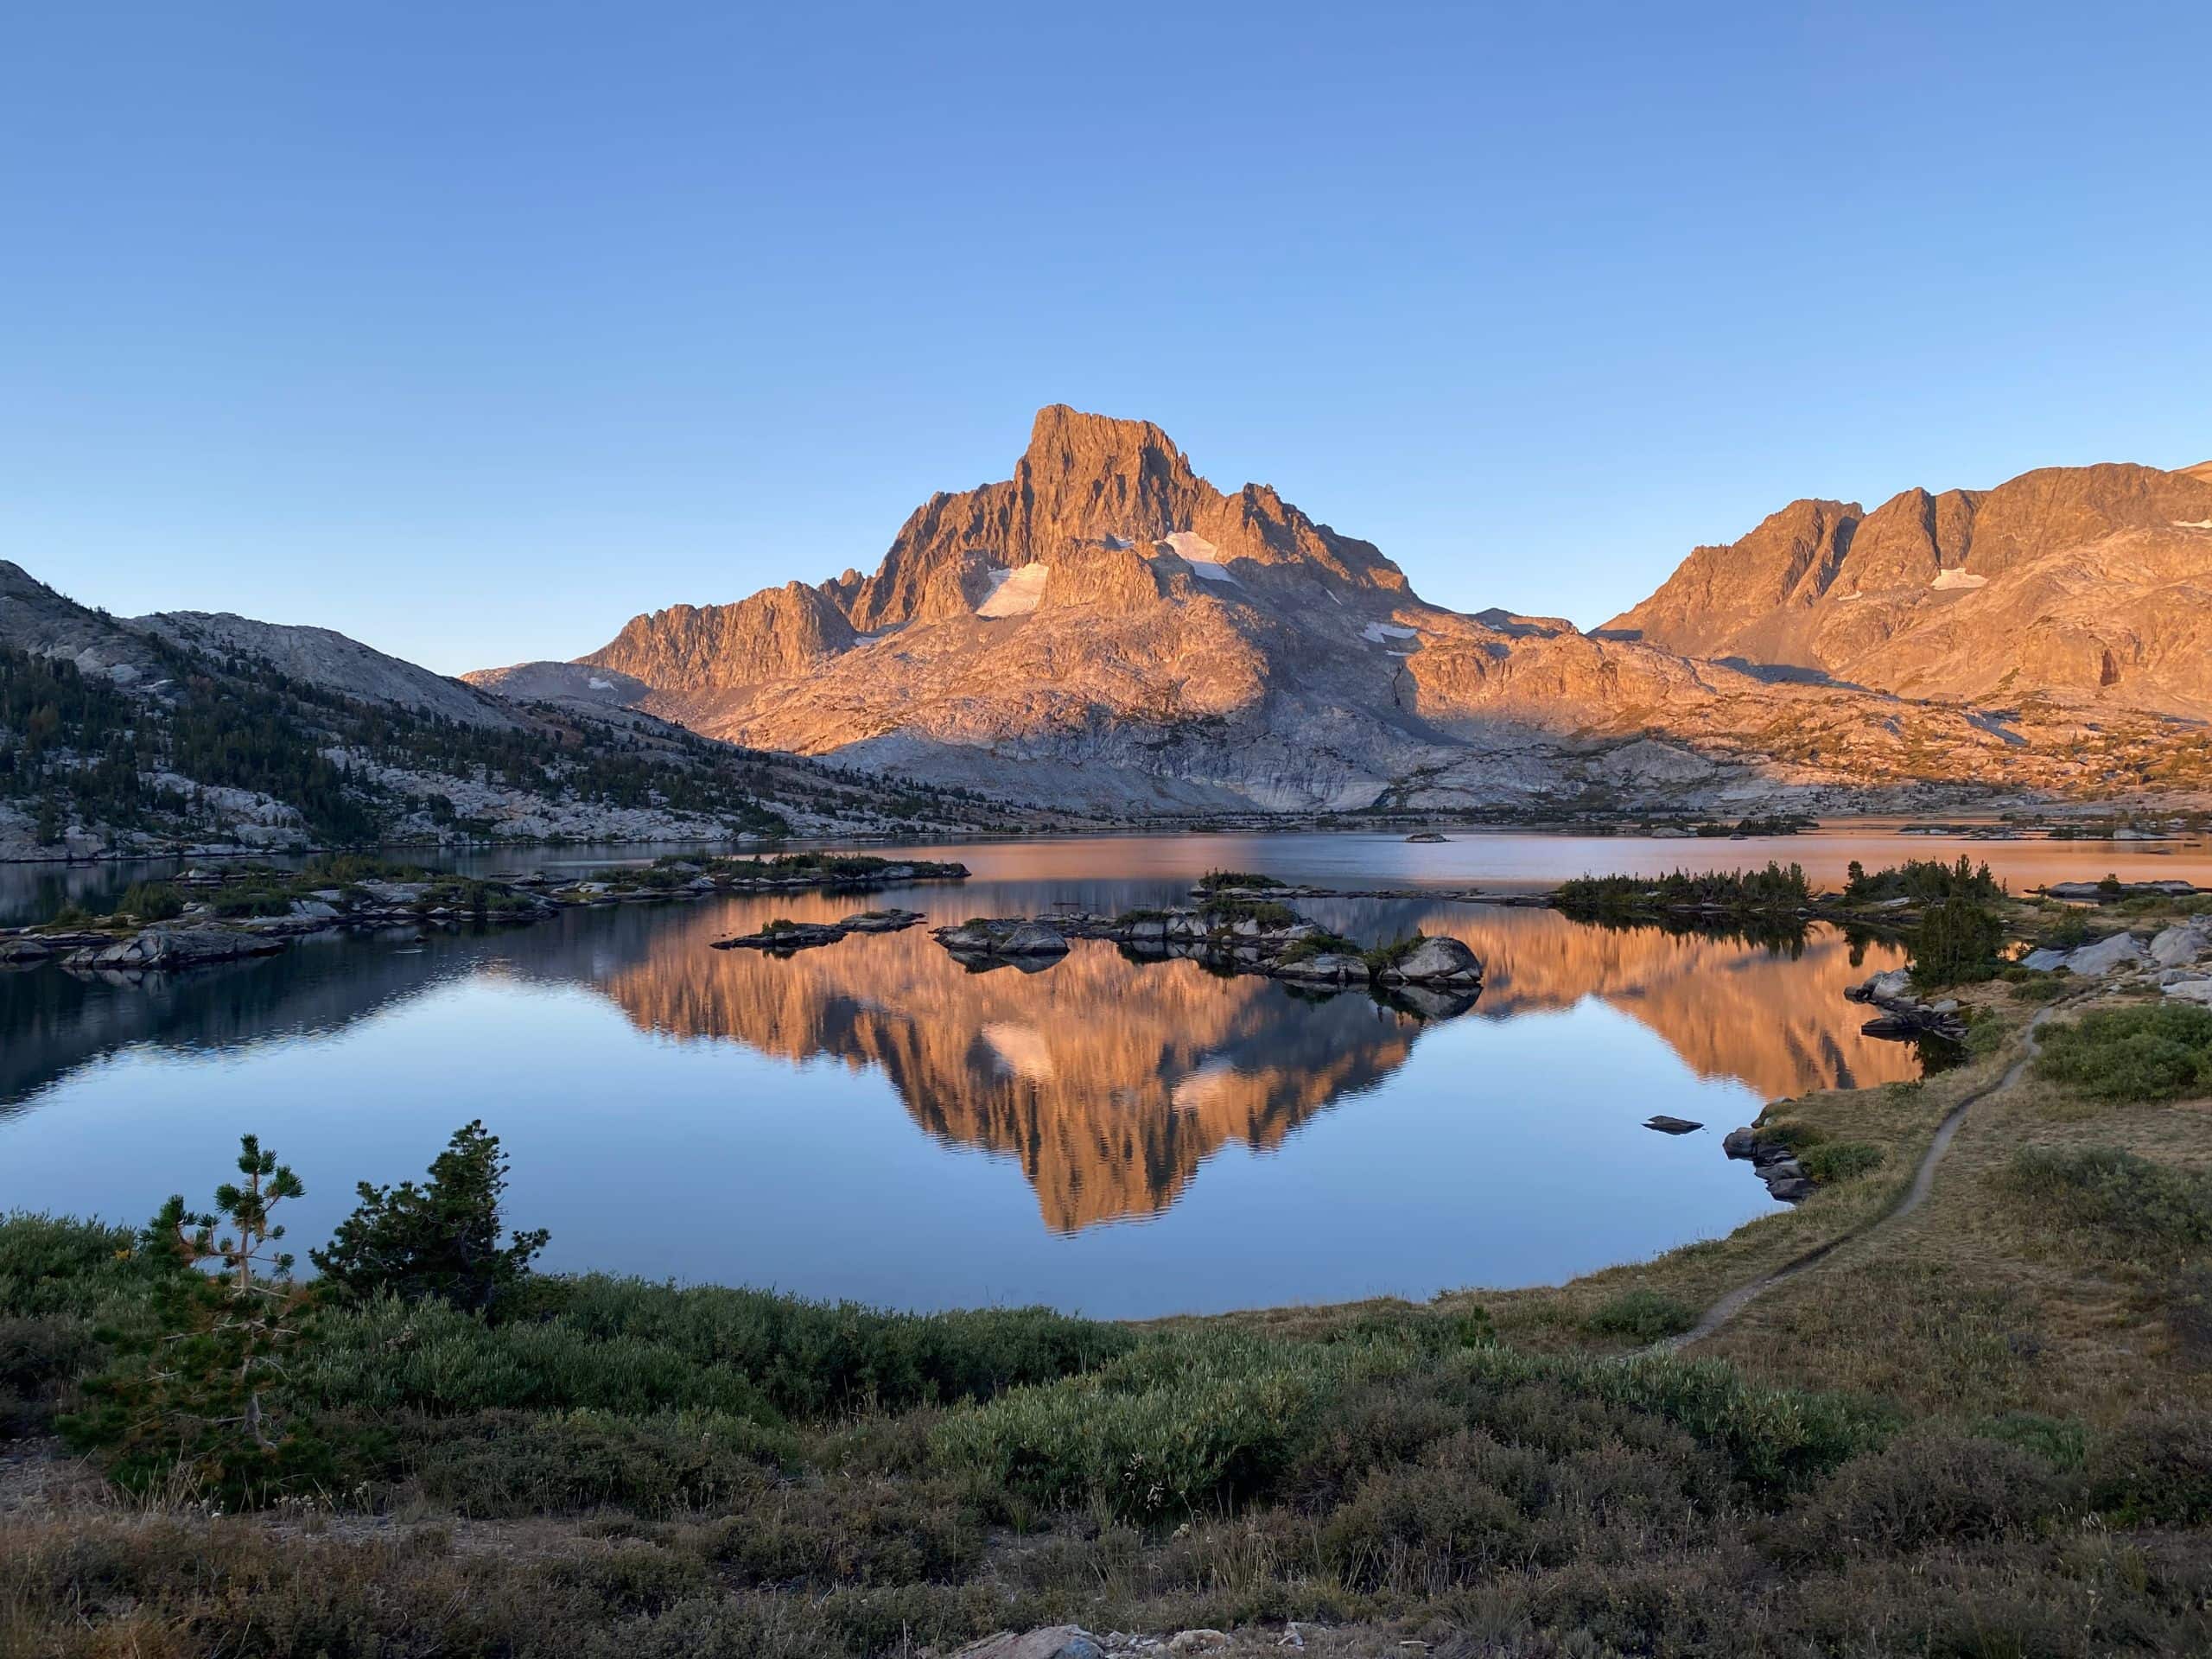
384,1354
2071,929
1841,1161
1646,1315
1180,1425
2132,1205
1986,1035
513,1462
2039,988
2155,1469
54,1266
863,1530
152,901
623,1344
2060,1442
1318,944
1383,958
235,904
1214,879
1223,911
1465,1511
1928,1490
2154,1052
1797,1135
1773,1439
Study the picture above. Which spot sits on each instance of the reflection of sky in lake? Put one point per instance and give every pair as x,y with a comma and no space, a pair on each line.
870,1120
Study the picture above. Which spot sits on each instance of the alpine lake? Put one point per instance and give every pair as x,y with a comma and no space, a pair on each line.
873,1120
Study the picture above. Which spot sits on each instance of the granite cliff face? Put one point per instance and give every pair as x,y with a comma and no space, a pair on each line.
1108,631
2092,585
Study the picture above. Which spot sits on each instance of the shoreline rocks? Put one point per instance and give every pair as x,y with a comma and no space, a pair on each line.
2097,893
1905,1018
163,949
1772,1162
379,906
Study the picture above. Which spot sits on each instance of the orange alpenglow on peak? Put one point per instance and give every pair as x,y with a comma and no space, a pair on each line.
1106,630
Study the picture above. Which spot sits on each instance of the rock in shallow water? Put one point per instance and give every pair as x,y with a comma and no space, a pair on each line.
1434,961
166,949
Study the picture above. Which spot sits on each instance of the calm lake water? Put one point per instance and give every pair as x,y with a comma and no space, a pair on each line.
872,1120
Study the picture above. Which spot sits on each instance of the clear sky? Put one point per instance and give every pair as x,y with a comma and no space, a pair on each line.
472,330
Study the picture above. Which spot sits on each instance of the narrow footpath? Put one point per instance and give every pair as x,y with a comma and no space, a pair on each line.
1924,1182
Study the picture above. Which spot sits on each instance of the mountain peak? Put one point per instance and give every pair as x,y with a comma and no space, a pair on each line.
1059,430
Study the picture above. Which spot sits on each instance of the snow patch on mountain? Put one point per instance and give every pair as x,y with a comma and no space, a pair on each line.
1202,555
1015,593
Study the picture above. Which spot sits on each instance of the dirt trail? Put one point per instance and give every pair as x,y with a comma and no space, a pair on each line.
1924,1182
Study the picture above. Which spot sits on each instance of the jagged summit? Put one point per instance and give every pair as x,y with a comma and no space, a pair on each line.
1100,512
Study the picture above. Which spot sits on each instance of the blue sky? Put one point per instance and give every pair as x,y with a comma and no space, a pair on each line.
474,330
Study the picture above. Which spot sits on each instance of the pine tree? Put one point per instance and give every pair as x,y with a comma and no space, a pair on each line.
439,1240
1957,941
198,1395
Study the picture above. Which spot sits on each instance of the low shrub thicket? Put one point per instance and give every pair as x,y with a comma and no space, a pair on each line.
1924,881
1213,880
1647,1315
1400,1463
2157,1051
2128,1205
1774,888
1224,910
150,901
1845,1161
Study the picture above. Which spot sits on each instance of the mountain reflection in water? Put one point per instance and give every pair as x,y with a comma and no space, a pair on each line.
1110,1080
1113,1079
1275,1142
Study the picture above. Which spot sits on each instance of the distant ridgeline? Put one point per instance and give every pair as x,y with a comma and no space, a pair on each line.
77,741
117,732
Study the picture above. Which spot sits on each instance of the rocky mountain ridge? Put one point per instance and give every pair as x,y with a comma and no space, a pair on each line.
1108,629
204,732
2092,585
